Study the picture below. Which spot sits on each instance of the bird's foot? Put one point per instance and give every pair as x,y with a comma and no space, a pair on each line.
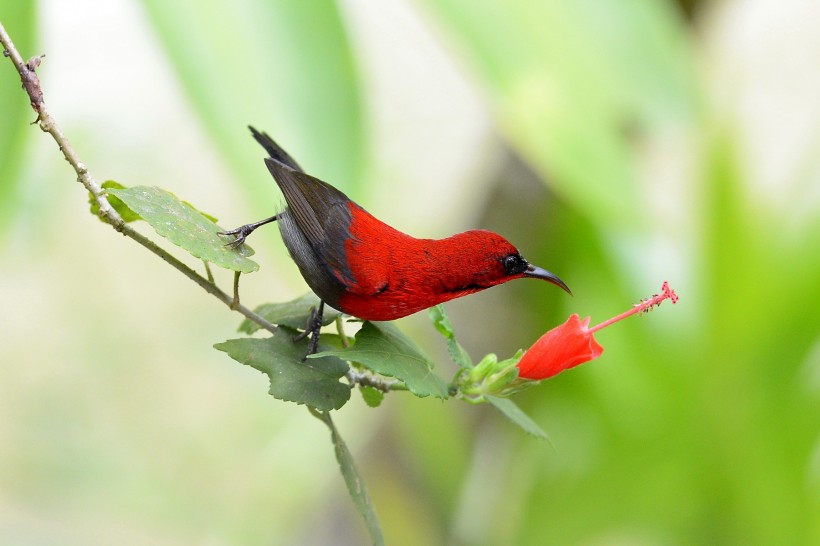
312,329
241,233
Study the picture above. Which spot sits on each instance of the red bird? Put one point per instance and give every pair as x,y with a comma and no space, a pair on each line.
361,266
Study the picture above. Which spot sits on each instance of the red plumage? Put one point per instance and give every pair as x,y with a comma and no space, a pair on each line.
365,268
400,275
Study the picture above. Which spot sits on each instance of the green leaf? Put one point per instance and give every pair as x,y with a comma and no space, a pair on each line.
293,314
185,226
313,382
512,412
355,485
445,328
122,209
382,348
372,397
213,219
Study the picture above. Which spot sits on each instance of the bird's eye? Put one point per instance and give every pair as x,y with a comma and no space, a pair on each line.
514,264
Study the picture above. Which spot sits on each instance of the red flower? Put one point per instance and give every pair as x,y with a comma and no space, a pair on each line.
572,343
561,348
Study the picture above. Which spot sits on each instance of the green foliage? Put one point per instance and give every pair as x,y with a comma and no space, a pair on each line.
687,429
512,412
314,382
382,348
122,209
445,328
353,481
185,226
293,314
371,396
589,94
488,380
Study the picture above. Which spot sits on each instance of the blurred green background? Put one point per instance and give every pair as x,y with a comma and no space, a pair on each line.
616,143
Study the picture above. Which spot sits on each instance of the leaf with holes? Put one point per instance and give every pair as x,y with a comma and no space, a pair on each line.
185,226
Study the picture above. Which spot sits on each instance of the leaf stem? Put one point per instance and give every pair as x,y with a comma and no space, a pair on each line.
353,480
206,285
340,327
235,302
31,83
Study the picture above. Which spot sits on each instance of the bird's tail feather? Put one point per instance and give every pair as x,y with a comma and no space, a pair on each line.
274,150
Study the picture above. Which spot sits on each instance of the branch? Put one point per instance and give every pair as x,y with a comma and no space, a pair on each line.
31,84
365,379
368,380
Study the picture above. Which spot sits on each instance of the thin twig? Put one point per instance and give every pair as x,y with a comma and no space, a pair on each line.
31,83
208,271
235,302
208,286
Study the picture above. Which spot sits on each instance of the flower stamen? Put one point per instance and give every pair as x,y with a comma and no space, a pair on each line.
645,306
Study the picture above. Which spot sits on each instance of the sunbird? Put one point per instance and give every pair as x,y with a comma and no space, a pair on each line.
363,267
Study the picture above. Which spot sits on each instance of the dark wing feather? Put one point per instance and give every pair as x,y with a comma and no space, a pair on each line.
321,212
274,150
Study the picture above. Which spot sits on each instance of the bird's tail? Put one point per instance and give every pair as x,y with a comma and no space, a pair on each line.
274,150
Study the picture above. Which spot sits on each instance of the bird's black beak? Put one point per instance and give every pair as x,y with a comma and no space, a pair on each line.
539,273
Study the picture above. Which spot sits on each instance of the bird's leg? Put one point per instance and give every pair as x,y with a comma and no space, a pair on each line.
312,328
242,232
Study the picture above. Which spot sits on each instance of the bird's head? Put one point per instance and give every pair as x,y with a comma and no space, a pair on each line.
489,259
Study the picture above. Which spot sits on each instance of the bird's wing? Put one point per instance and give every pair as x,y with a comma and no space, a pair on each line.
322,214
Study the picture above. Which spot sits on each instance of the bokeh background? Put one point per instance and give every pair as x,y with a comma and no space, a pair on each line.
617,143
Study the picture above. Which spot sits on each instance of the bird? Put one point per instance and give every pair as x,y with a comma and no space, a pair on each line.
365,268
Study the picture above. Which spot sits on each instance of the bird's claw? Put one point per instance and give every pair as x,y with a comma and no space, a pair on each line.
312,329
240,233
